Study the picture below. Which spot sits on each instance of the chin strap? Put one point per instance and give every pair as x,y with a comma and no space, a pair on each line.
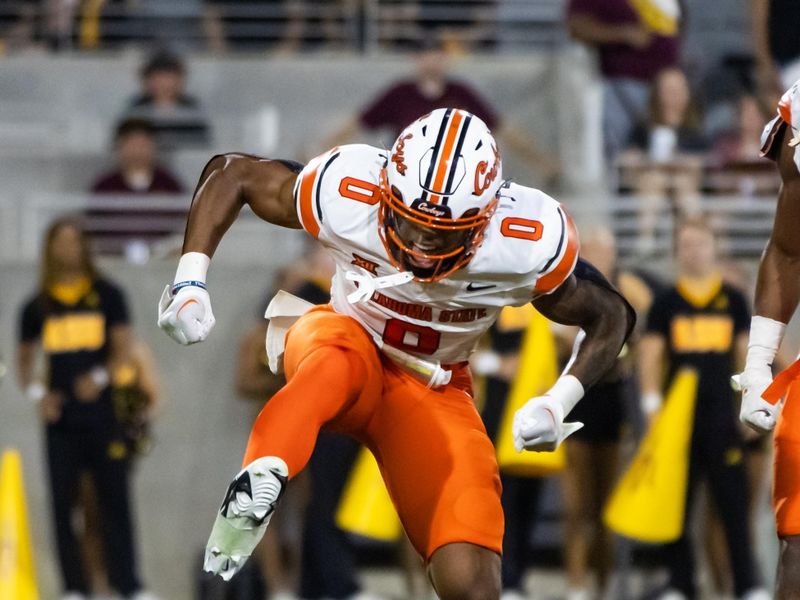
367,284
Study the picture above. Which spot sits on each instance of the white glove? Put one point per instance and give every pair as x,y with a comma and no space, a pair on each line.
184,312
539,425
756,412
765,339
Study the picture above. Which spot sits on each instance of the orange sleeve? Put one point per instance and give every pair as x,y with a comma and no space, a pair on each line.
305,191
560,267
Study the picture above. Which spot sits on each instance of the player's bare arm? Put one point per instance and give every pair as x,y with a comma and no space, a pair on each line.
604,316
606,319
778,287
228,183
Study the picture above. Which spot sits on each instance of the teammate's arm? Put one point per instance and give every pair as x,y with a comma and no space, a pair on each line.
588,301
777,293
778,287
227,183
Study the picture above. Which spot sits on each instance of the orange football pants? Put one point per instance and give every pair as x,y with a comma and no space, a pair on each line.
435,457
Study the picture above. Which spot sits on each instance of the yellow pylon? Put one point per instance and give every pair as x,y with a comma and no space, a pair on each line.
17,577
366,508
649,501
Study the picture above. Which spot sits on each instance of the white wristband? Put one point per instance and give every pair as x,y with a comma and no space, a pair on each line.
35,391
651,403
193,266
765,339
486,363
100,376
568,390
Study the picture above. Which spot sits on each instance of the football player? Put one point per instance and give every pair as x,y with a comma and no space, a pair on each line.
777,295
430,242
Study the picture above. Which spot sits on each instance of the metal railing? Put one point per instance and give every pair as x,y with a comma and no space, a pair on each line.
291,25
742,223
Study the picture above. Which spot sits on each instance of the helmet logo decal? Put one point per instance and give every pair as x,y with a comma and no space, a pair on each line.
434,210
480,170
398,158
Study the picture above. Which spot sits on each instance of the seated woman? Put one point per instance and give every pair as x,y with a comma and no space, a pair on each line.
665,156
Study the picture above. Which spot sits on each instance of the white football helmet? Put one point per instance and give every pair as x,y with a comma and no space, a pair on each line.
439,191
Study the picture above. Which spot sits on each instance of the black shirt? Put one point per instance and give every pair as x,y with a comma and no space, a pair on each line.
75,340
701,334
784,42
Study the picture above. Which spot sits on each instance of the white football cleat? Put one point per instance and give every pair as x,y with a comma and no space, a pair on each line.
244,515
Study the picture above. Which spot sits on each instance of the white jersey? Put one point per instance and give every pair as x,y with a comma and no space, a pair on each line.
788,114
530,247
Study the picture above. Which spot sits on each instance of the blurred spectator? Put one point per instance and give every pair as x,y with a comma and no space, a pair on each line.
777,46
136,395
673,122
737,166
593,460
137,170
116,224
634,40
59,22
79,320
177,118
431,88
702,323
665,159
18,26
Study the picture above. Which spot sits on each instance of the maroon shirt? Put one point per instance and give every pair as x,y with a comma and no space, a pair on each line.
621,60
402,104
113,222
114,183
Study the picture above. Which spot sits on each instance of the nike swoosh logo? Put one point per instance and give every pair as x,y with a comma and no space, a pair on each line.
471,287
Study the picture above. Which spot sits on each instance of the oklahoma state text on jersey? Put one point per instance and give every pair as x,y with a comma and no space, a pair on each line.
530,247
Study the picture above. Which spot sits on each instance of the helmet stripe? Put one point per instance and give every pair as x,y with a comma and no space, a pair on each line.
436,147
446,157
454,162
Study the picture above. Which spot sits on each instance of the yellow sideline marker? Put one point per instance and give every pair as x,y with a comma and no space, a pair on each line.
648,503
365,508
17,577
